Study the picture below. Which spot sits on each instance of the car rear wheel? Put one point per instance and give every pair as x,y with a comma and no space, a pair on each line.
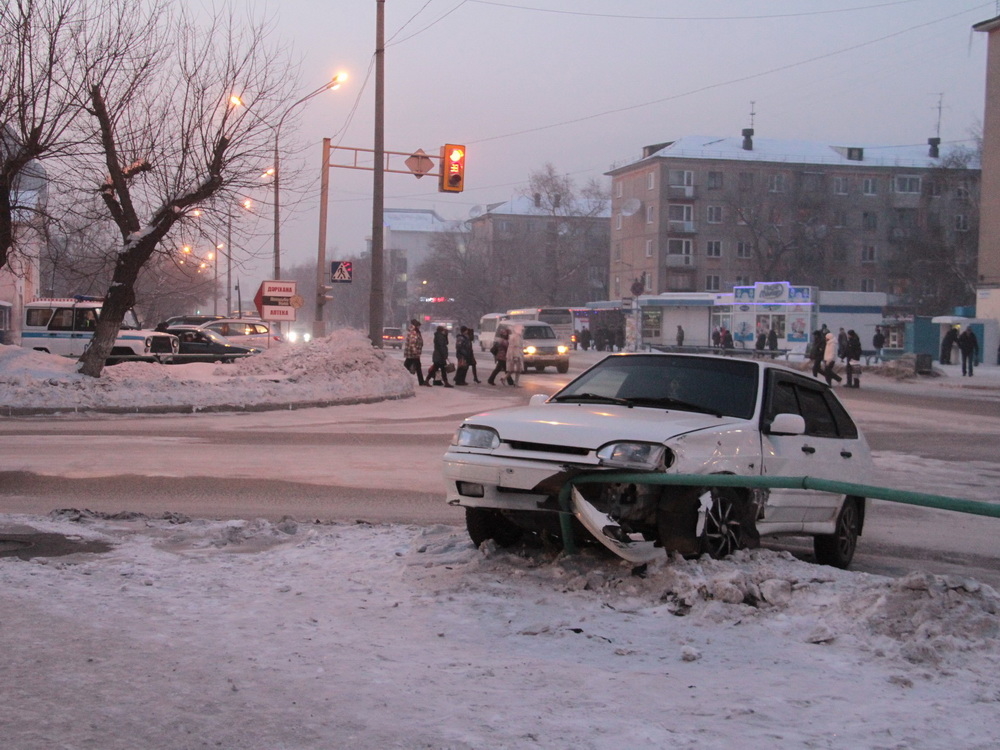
488,523
837,549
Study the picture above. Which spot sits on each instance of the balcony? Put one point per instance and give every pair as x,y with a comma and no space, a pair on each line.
680,261
675,226
681,192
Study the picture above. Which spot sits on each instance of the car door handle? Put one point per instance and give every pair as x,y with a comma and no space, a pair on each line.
808,449
846,454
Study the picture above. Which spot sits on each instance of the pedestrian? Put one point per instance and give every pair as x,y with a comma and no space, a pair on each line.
411,350
499,352
680,336
716,337
620,339
830,359
947,343
727,341
515,354
772,342
759,344
472,355
439,359
816,351
878,342
842,345
585,339
968,345
463,355
852,353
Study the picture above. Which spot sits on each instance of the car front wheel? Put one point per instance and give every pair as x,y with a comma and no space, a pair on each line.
488,523
723,532
837,549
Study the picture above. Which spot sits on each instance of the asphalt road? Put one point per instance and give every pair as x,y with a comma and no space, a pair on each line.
379,463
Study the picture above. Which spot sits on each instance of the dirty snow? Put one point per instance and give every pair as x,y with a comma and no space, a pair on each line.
191,633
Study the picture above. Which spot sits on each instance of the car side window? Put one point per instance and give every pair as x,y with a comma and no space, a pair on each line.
845,425
816,412
62,320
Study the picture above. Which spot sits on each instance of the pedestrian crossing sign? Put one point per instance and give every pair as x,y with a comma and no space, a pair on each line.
341,271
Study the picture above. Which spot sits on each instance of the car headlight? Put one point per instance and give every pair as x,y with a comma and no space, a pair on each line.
470,436
293,336
648,456
530,349
562,349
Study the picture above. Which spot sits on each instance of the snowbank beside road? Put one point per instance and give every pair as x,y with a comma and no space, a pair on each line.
336,369
257,635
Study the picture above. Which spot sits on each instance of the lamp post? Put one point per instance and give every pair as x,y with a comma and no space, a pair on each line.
330,85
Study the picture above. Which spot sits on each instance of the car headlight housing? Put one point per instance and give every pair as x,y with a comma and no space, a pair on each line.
562,349
646,456
471,436
530,349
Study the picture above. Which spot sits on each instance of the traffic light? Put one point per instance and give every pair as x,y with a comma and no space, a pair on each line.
452,178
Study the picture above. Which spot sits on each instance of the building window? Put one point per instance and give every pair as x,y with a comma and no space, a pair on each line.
744,249
869,221
715,214
713,249
839,219
868,254
681,178
961,223
618,221
869,186
907,184
650,180
715,180
617,291
933,188
713,283
650,214
649,248
776,183
742,281
962,191
840,185
812,182
746,180
867,285
679,247
618,189
617,256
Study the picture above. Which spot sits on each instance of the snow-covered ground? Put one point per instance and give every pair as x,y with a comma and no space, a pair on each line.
190,633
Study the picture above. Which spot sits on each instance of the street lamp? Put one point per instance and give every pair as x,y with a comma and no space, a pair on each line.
331,85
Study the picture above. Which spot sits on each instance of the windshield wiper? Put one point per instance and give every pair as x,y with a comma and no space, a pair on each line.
594,397
676,403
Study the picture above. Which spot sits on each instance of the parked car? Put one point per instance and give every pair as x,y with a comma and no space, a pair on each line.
258,334
188,320
666,414
393,337
204,345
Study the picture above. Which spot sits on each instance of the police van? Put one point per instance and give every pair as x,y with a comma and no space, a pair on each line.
66,326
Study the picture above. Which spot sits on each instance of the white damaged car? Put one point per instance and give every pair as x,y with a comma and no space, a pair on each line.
692,415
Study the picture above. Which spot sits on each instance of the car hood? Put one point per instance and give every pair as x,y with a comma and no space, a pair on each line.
593,425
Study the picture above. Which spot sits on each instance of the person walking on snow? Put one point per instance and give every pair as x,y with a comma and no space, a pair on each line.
968,345
830,359
411,350
439,359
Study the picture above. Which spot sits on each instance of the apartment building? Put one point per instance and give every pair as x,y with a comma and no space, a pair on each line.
707,214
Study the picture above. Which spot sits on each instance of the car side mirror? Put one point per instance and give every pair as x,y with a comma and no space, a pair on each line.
538,398
787,424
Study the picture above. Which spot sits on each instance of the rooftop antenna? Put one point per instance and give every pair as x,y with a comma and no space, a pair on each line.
752,103
940,96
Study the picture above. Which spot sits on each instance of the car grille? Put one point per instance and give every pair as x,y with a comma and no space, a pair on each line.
569,450
545,351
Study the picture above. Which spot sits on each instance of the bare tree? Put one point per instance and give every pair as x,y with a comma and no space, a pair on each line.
41,88
169,137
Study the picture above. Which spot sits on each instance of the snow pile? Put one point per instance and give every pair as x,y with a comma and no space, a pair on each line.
300,635
338,368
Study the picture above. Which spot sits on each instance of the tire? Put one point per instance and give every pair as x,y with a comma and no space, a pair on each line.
562,368
837,549
488,523
724,532
539,368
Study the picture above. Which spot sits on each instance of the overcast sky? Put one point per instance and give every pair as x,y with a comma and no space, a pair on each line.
585,84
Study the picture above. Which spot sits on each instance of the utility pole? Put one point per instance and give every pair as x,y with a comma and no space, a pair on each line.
378,189
319,323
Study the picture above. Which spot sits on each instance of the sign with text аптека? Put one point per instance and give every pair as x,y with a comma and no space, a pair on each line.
275,300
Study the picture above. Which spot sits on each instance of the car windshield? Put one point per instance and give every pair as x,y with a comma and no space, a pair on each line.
538,332
711,385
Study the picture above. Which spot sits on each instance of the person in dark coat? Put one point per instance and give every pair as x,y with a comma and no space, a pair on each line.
439,359
968,344
852,353
878,342
727,341
585,339
760,343
772,342
463,355
949,341
680,336
817,350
